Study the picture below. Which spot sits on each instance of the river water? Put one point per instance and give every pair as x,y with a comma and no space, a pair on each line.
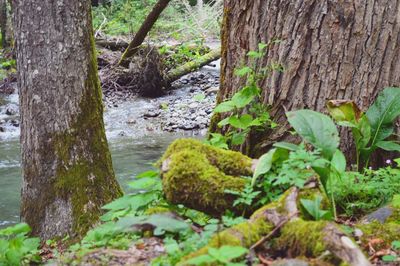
134,148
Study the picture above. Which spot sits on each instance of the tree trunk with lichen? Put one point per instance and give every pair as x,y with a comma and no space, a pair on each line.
67,168
3,23
330,50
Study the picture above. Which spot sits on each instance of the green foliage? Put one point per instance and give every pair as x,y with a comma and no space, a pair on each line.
246,113
357,194
245,197
317,129
224,255
313,208
185,52
16,247
179,20
280,169
372,129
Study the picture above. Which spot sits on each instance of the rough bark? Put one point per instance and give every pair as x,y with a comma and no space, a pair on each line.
330,49
144,29
67,168
3,23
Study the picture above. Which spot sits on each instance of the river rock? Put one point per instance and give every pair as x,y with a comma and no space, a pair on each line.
380,215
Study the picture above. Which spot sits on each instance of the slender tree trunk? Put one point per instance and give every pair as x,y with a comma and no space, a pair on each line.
67,168
144,29
3,23
331,50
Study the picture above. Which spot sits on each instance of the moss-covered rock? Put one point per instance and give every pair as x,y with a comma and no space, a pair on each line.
198,175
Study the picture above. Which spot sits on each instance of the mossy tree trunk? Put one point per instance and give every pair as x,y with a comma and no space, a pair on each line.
3,23
67,168
330,49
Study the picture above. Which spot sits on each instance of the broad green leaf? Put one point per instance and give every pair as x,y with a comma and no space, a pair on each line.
229,253
262,46
254,54
241,122
389,258
344,110
339,161
317,129
224,122
239,138
388,145
224,107
150,173
286,145
146,183
118,204
382,114
218,140
21,228
3,246
243,71
396,245
313,208
264,165
266,161
244,96
201,260
161,222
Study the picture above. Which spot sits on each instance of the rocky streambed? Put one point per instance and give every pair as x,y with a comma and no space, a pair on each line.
186,107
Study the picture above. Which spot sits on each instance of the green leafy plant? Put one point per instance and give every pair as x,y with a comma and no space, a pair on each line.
245,197
246,113
224,255
372,129
16,247
357,194
313,208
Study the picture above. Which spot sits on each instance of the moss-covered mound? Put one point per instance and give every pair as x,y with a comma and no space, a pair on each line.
198,175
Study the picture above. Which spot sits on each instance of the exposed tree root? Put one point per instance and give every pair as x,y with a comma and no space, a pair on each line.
197,175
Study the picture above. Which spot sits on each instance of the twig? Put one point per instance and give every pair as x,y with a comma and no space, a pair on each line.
101,25
279,226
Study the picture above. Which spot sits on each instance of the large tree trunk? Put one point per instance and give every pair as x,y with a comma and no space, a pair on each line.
331,50
67,168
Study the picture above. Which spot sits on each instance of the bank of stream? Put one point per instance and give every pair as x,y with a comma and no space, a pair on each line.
138,131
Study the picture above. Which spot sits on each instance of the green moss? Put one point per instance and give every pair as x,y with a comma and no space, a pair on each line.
198,176
155,210
194,182
229,162
244,234
388,232
302,238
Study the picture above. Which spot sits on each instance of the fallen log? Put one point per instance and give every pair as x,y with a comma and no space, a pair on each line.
294,236
194,65
113,45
